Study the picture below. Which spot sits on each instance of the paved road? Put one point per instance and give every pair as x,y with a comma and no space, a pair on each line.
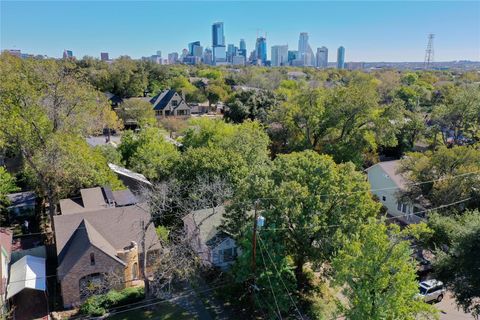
448,310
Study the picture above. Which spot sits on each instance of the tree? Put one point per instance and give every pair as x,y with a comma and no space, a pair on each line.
250,104
42,102
7,185
127,78
149,153
215,93
307,200
454,173
136,111
378,274
456,264
459,117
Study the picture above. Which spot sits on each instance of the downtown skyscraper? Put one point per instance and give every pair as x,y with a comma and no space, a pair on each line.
322,57
218,43
341,57
279,55
261,50
305,52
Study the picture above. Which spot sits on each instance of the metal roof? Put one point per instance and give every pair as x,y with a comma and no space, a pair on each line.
27,273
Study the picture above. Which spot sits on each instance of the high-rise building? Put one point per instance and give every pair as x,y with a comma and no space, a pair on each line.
322,57
172,58
218,38
104,56
208,56
292,55
231,52
261,50
341,58
195,49
279,55
238,60
305,51
243,46
67,54
218,43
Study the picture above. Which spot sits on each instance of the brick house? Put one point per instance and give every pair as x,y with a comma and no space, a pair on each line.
98,239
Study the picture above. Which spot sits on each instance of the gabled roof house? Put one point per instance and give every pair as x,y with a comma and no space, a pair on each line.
170,103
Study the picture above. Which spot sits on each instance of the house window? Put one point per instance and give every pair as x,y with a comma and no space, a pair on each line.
181,112
404,208
384,198
158,113
228,254
399,206
174,103
167,112
135,271
92,259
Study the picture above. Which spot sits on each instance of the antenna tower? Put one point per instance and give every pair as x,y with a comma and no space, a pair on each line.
428,62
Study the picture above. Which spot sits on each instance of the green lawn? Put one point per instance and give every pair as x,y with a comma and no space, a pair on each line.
164,311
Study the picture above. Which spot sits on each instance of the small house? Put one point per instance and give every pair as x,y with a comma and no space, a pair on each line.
169,103
214,246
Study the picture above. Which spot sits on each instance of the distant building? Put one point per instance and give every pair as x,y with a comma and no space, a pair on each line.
341,58
195,49
243,46
172,58
305,52
279,55
292,55
67,54
355,65
15,53
218,43
219,55
104,56
231,52
322,57
238,60
261,50
207,56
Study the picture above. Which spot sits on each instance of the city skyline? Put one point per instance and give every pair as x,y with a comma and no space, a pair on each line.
362,43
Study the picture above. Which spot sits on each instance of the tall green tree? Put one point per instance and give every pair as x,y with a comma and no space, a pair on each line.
149,153
454,172
457,264
7,185
136,111
42,102
378,274
314,201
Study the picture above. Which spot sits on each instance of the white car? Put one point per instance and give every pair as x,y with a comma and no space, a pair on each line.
432,290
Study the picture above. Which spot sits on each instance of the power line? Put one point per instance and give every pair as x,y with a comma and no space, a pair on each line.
270,283
390,218
279,276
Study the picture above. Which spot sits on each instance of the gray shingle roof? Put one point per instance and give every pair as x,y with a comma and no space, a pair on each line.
109,229
161,100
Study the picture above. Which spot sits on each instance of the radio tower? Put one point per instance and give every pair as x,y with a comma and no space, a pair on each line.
429,52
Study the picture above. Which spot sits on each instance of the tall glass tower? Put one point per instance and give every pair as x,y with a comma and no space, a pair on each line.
341,58
218,39
261,49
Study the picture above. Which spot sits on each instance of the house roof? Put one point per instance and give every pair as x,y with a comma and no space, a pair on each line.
113,97
130,174
161,100
27,273
22,198
91,199
391,169
109,229
208,222
82,238
124,197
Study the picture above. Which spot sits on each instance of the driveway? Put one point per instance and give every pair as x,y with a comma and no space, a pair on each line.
448,309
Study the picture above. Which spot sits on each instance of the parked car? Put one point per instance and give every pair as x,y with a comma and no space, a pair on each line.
432,290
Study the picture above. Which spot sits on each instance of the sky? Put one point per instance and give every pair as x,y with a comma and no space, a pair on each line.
369,31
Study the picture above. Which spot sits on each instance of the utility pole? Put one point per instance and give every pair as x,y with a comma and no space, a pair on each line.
254,254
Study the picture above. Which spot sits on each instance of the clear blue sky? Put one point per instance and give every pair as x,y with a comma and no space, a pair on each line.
370,31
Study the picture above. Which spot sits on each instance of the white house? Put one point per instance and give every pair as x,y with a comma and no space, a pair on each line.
386,183
215,247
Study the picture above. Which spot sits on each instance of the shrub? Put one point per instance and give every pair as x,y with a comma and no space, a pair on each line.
98,305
